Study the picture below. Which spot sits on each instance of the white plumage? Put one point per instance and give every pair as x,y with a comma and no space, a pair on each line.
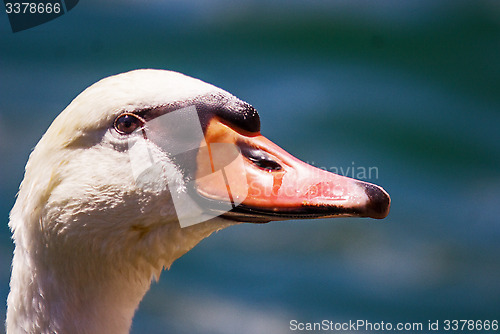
78,201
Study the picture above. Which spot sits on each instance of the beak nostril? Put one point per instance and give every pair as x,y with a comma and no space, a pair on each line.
260,158
379,201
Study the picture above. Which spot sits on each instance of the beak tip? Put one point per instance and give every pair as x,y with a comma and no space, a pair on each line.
379,201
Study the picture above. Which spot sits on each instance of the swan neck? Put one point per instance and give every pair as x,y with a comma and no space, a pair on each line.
70,298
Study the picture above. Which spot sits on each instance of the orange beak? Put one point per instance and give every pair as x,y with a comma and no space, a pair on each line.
267,183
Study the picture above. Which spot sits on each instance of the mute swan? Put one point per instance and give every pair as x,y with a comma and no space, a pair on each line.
90,234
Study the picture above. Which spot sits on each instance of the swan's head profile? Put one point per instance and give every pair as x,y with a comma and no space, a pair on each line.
135,172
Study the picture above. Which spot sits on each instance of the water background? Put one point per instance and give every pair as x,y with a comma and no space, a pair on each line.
411,88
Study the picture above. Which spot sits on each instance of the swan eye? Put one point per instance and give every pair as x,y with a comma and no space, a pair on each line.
127,123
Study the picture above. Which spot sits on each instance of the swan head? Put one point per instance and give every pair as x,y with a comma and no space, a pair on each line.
143,165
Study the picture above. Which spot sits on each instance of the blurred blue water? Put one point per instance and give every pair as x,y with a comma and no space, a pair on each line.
412,89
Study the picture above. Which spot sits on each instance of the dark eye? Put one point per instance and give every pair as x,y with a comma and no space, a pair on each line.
260,158
128,123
